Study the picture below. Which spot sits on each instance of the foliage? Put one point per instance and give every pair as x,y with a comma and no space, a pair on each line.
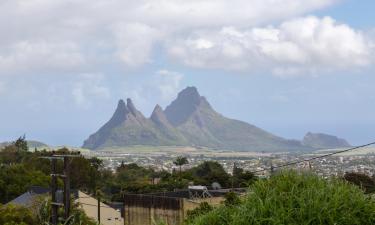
77,215
16,179
362,180
209,172
242,178
180,161
231,199
11,214
297,199
21,144
202,209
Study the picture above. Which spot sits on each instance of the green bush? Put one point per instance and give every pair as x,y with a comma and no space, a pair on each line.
11,214
231,199
202,209
293,198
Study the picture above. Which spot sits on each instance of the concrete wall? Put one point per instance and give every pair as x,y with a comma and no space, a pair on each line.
144,211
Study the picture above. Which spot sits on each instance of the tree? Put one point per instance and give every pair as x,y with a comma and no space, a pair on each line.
209,172
241,178
180,161
11,214
21,144
17,179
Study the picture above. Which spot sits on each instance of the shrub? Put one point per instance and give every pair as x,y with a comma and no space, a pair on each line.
231,199
296,199
203,208
362,180
11,214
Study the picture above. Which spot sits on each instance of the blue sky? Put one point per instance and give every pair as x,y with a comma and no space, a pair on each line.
287,66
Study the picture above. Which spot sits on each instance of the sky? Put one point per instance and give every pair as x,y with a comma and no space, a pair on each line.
287,66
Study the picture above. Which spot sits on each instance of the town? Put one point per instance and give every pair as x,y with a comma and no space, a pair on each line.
336,165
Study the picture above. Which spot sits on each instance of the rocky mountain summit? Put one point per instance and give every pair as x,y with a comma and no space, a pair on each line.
189,120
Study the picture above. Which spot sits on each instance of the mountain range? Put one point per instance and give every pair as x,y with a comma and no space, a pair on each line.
190,120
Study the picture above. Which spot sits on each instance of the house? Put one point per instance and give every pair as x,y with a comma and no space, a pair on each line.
31,197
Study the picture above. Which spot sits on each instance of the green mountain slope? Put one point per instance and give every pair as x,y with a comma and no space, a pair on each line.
203,126
129,127
188,121
324,141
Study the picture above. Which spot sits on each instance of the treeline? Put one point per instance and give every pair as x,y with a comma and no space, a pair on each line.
21,169
286,198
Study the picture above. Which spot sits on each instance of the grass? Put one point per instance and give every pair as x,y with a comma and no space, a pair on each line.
293,198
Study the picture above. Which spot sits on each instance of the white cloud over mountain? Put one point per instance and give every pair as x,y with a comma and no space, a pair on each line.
54,36
300,45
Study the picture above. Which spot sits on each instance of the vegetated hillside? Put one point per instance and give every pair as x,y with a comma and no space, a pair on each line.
324,141
189,120
195,118
293,198
30,143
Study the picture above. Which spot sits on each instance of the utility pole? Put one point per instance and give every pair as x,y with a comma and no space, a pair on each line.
54,206
66,188
99,209
65,176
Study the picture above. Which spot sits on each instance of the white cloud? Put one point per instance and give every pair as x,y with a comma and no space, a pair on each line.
161,89
54,36
88,88
134,42
168,83
36,56
307,44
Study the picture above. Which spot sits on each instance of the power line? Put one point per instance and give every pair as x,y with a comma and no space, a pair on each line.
102,206
313,158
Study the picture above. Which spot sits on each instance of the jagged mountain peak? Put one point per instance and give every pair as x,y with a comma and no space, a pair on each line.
189,92
131,107
120,113
134,111
157,112
186,103
121,106
159,117
188,121
158,108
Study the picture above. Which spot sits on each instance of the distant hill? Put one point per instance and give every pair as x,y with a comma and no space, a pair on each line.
324,141
30,143
189,120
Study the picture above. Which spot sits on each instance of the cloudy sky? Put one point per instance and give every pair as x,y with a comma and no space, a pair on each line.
288,66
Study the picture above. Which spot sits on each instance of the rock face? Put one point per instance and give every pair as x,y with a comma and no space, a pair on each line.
323,141
129,127
188,121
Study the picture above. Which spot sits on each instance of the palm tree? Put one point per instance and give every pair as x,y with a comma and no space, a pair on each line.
180,161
